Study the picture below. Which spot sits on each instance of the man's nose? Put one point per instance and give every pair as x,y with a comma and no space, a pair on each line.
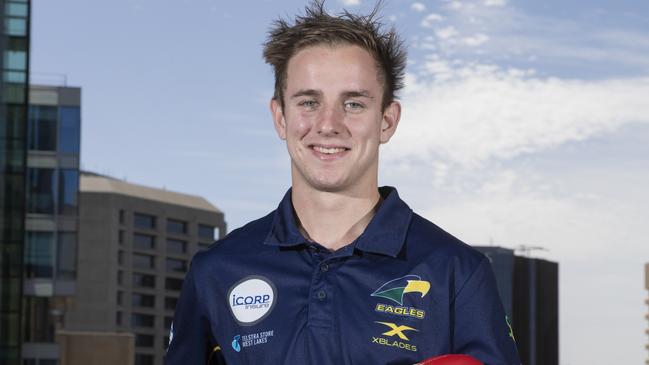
330,120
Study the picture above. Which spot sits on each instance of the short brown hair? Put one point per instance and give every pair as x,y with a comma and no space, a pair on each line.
316,27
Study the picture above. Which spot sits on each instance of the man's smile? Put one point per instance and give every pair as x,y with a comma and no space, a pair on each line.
328,152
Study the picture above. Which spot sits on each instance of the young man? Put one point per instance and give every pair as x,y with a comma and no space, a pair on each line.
343,272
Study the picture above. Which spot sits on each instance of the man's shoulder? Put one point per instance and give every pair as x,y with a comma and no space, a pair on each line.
427,239
243,240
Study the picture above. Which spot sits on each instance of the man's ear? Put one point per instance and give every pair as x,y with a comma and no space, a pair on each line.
278,118
391,116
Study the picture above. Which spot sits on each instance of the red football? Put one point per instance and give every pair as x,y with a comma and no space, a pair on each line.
451,360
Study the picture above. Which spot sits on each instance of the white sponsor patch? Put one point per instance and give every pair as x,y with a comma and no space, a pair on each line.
252,299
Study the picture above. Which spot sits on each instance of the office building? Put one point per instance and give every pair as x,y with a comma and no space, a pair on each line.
14,63
135,246
51,219
529,290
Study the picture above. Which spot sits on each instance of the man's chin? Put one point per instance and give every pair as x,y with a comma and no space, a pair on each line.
328,185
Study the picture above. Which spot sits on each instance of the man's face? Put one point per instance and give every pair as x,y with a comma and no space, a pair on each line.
332,120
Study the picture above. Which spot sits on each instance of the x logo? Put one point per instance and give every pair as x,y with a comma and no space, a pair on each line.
397,330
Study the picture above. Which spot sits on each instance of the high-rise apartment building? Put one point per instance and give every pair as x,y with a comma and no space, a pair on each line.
529,290
14,63
51,224
135,246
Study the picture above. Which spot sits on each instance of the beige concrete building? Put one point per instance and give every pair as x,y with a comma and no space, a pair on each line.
96,348
135,246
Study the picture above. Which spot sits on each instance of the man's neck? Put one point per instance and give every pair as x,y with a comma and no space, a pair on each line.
334,219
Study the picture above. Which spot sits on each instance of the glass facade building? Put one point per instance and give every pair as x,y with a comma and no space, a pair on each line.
14,63
53,134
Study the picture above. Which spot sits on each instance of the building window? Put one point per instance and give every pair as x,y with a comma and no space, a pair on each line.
120,277
16,27
38,255
39,321
120,297
120,237
143,241
173,284
177,247
142,320
175,265
168,321
143,300
41,183
66,256
120,257
69,129
144,340
141,261
17,10
143,359
143,280
68,191
204,246
118,318
206,232
121,216
41,129
176,226
143,221
170,303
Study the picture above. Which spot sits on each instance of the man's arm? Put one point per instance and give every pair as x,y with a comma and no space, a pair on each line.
189,340
481,329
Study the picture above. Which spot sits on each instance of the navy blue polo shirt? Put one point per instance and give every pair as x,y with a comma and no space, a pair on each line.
403,291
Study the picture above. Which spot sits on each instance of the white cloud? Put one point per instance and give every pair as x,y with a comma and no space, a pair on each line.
467,115
418,7
475,40
446,33
495,2
428,21
455,5
350,2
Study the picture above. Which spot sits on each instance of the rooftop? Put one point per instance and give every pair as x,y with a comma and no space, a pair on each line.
95,183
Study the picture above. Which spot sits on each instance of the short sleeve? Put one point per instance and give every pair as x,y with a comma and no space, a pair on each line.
189,340
480,325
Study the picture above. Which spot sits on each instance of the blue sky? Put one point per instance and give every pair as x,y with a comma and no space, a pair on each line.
525,122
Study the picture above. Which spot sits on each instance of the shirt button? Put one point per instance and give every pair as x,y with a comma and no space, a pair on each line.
322,295
324,267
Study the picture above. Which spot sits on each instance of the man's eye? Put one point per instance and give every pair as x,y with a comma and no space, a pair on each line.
308,104
354,106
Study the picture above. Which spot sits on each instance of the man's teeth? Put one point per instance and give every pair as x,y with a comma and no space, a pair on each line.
328,150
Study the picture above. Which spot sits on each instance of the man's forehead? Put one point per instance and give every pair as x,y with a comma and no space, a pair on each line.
349,67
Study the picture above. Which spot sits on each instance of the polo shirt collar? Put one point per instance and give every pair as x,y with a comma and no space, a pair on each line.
385,234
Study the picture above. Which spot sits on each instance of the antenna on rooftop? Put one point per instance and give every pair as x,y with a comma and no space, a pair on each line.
526,250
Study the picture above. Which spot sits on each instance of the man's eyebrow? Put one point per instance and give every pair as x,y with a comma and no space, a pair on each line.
306,92
357,94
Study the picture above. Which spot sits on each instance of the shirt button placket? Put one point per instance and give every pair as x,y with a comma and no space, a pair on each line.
320,313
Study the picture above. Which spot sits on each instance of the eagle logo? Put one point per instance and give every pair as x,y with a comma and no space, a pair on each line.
395,289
